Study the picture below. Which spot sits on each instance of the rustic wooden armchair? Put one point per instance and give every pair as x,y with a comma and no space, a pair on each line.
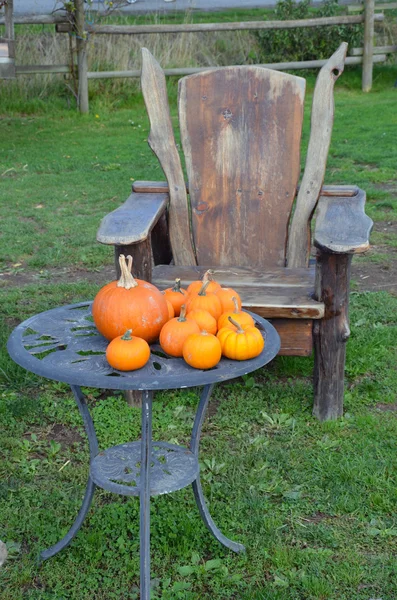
241,133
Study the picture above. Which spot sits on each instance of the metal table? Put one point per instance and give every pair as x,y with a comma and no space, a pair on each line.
63,344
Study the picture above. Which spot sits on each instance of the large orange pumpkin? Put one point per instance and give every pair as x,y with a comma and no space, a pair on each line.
205,301
196,286
176,295
175,332
127,352
129,304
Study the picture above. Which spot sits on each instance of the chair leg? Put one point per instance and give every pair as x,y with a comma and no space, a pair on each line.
330,334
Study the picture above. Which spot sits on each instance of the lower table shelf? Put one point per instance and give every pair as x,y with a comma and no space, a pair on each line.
118,468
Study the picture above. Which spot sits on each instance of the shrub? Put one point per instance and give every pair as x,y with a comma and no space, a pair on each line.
307,43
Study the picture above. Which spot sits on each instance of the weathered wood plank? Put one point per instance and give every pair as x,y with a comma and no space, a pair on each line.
376,50
37,19
31,69
296,336
162,186
240,131
241,26
382,6
342,227
162,142
280,293
320,137
133,221
82,60
330,334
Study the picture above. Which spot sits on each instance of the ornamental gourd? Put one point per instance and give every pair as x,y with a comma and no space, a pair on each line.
129,304
205,301
226,296
241,317
175,332
196,286
241,344
127,352
176,295
202,350
204,320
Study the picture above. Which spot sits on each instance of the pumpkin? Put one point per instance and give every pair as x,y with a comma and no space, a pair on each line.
241,344
202,350
204,320
242,318
177,296
127,352
196,286
204,300
175,332
129,304
171,311
226,296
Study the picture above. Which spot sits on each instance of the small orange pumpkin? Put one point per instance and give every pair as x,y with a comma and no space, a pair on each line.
175,332
129,304
177,296
204,320
241,344
205,301
171,312
196,286
127,352
226,296
241,317
202,350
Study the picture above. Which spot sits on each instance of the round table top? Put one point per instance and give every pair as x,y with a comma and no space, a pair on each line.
63,344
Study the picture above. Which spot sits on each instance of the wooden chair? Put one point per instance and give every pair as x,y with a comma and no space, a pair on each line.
241,133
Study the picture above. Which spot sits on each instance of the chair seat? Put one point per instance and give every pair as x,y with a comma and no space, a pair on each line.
276,293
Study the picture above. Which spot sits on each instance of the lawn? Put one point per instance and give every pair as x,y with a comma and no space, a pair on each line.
315,504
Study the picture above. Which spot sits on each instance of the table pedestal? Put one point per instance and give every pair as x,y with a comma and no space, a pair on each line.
143,469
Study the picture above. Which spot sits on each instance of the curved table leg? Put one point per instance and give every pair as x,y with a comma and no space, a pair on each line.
90,489
197,489
144,527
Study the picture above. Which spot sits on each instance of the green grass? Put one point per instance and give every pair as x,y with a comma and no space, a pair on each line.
314,503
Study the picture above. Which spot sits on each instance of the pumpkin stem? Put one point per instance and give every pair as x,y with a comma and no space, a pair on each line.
208,275
127,336
236,308
233,322
182,314
129,262
204,287
177,286
126,280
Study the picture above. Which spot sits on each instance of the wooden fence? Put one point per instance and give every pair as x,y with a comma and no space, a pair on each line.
75,24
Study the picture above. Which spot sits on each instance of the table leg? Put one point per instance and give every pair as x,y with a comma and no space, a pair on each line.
144,529
90,489
197,489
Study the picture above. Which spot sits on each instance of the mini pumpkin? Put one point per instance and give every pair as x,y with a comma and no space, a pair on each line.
241,317
176,295
171,311
204,300
175,332
204,320
226,296
241,344
202,350
196,286
129,304
127,352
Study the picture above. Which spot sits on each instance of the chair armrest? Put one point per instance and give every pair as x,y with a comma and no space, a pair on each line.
133,221
342,227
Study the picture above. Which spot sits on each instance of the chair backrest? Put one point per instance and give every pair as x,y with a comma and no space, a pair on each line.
241,133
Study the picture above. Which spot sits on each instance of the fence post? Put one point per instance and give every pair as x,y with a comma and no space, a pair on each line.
368,51
9,20
81,43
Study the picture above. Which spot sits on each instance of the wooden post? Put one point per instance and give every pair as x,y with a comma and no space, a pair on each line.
368,52
81,43
9,20
330,334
